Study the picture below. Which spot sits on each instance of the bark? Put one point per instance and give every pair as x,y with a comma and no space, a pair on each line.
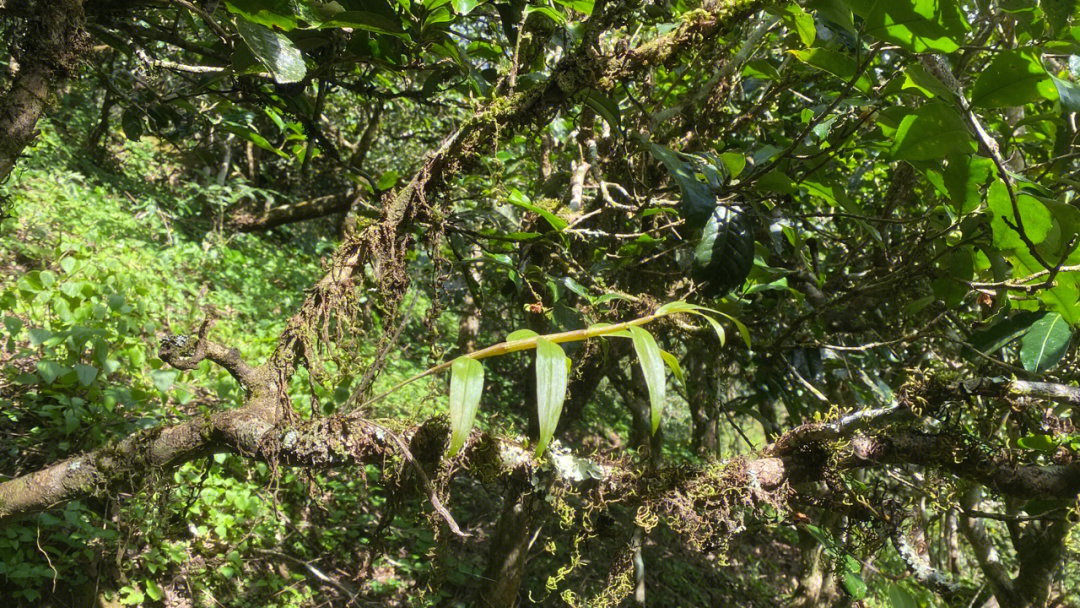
50,49
510,548
248,219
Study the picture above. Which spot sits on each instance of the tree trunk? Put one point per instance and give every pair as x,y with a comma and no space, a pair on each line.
52,46
509,549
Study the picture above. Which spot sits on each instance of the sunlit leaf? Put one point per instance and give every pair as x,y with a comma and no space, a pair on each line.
673,363
652,367
551,378
521,334
1045,343
1013,78
1042,443
466,386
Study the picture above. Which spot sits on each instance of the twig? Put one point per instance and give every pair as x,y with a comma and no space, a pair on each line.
428,486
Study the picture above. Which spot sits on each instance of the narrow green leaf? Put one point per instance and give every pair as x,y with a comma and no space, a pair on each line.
719,329
615,334
550,13
680,306
466,386
604,106
251,135
1045,343
518,199
551,377
652,367
673,363
744,331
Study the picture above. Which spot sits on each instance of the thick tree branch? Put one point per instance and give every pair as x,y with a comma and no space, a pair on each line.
246,219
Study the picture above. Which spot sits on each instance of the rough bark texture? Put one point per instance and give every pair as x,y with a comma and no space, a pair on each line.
509,549
50,48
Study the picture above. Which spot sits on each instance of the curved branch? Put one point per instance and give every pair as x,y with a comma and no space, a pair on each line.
181,352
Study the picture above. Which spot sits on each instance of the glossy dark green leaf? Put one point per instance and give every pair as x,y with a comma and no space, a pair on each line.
274,51
269,13
916,77
604,106
698,199
464,7
1004,331
581,6
1045,343
965,177
1068,94
725,254
249,134
132,123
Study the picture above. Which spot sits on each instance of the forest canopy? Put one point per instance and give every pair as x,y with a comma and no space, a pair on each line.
539,302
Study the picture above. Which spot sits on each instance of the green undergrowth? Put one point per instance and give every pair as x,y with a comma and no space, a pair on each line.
96,266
